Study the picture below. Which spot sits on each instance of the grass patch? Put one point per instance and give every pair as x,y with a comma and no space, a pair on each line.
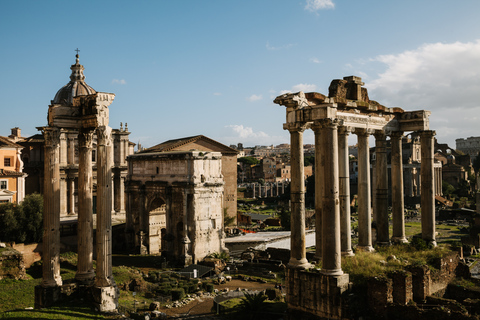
75,310
365,265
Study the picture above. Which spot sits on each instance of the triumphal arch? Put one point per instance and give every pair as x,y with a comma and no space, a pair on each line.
87,115
348,110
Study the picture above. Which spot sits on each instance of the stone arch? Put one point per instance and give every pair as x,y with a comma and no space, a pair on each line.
157,222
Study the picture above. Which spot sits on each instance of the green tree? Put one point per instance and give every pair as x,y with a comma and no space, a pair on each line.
32,207
23,222
309,160
249,160
447,188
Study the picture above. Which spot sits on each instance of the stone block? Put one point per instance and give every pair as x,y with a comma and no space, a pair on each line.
106,298
46,297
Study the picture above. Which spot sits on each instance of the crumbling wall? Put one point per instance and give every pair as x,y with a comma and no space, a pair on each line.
12,265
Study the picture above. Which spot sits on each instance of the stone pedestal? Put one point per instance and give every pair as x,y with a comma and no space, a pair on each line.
106,298
46,296
312,293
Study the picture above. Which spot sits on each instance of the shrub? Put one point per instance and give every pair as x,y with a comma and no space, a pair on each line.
178,294
209,287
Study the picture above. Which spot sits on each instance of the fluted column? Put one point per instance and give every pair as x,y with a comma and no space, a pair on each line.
317,129
51,214
298,256
427,187
104,276
344,185
331,249
85,272
398,215
381,203
364,194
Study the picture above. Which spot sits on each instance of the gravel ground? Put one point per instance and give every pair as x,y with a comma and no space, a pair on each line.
202,308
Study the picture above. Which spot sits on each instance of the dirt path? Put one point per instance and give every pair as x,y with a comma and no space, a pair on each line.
203,307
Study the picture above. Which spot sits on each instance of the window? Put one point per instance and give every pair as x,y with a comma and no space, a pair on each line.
7,162
3,184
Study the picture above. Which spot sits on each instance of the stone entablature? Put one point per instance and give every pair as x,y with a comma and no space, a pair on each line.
186,188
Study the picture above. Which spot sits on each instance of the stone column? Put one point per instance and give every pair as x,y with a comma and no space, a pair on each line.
344,185
104,276
63,194
381,203
398,215
122,193
364,193
319,167
427,187
85,273
186,257
51,215
298,255
331,249
71,195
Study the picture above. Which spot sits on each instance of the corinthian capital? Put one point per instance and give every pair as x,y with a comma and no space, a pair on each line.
51,136
85,138
104,135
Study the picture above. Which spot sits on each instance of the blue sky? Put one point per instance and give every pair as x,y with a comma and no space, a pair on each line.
182,68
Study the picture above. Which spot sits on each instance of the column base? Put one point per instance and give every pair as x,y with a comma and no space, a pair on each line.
348,253
384,243
106,298
368,248
298,264
399,240
85,278
332,272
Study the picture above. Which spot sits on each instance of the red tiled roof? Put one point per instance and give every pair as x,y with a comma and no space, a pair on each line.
5,142
5,173
171,145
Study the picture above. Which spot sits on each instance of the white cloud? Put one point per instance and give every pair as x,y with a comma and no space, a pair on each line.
286,46
255,97
441,77
249,137
315,60
217,94
305,87
315,5
119,81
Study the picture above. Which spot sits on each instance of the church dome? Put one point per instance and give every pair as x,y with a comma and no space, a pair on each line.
76,87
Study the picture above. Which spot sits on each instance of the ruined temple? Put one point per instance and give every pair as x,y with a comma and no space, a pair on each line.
348,109
79,112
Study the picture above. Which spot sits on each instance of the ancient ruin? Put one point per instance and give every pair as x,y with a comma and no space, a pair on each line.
177,194
78,109
347,109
